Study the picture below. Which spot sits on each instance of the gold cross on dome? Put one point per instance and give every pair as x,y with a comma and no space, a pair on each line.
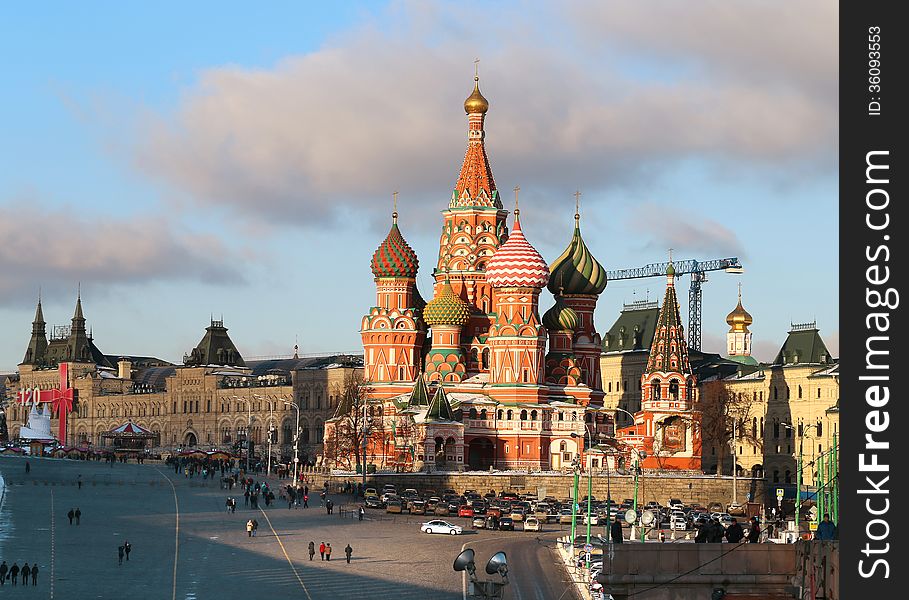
395,195
517,189
577,202
476,69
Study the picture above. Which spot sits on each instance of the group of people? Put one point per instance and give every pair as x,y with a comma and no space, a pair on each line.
124,549
252,526
13,573
74,514
712,532
325,551
295,495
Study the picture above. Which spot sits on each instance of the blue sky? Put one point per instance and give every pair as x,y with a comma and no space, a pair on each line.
188,159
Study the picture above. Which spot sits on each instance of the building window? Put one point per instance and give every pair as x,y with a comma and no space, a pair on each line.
776,476
776,429
820,429
509,414
800,392
788,476
819,392
523,415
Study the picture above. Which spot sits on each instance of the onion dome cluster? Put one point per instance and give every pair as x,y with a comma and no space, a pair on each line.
446,308
561,317
576,271
517,263
394,257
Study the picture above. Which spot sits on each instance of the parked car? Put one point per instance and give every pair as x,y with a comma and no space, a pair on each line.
494,511
734,508
373,502
370,491
675,503
565,516
506,524
441,509
418,507
517,514
478,522
394,505
532,524
678,522
439,526
594,520
465,510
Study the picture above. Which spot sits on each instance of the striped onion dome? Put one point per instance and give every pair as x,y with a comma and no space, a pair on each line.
516,263
576,271
446,308
394,257
561,317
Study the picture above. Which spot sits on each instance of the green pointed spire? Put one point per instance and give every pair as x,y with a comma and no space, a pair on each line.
420,394
440,408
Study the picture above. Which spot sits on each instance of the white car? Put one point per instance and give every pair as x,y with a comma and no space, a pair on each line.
439,526
531,524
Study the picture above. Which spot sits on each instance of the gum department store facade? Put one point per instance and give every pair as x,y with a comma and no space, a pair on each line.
468,378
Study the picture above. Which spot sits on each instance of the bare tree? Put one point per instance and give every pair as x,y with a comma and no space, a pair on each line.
724,413
345,431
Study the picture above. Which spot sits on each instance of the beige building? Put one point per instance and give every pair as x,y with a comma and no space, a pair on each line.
792,403
213,400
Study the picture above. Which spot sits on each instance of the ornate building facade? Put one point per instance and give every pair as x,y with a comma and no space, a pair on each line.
465,380
213,400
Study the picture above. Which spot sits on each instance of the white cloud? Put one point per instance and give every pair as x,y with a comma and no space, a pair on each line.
54,248
337,130
687,233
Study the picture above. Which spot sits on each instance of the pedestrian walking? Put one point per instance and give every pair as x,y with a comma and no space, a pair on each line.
71,514
4,569
754,533
734,533
246,497
79,481
305,500
312,550
26,572
255,527
360,513
348,551
328,551
616,531
34,573
249,528
126,548
322,550
120,553
28,468
14,572
78,514
826,530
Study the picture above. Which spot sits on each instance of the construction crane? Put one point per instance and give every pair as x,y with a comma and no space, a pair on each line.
698,270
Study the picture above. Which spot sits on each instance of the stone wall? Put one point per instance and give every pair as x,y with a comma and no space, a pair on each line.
693,488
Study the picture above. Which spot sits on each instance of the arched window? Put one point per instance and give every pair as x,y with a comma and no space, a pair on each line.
485,355
561,416
776,428
563,446
800,392
533,415
523,415
472,413
483,414
610,387
655,390
674,390
776,476
509,415
501,414
820,429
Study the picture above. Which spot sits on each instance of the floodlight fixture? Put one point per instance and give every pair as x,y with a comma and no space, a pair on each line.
497,564
464,561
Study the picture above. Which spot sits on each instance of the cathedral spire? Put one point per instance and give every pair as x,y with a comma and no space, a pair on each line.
669,351
39,313
475,186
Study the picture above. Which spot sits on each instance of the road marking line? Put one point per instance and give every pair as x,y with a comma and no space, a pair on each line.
52,529
176,528
284,550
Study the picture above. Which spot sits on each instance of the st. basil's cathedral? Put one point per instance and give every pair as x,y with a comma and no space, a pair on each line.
465,380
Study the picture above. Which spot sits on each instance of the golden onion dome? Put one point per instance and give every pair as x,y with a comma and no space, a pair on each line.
476,103
446,308
739,319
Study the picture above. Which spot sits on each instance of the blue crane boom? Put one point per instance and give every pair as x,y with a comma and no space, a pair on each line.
698,270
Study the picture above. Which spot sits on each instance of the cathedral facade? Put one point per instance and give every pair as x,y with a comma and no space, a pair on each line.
465,380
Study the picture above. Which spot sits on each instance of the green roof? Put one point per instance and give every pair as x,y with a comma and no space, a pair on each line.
420,394
634,329
803,346
440,408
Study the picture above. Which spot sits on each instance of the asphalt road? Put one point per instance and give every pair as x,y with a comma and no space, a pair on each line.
187,547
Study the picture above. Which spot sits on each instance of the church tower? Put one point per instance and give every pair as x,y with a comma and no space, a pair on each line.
473,228
79,344
36,353
393,331
578,279
517,339
738,339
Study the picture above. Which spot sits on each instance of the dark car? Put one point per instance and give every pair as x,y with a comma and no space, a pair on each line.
506,524
373,502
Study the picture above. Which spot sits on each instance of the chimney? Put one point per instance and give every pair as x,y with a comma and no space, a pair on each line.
124,369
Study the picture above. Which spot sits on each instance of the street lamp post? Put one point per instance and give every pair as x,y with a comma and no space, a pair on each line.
294,406
638,465
798,473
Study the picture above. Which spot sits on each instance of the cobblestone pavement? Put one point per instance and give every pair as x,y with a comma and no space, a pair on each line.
186,546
